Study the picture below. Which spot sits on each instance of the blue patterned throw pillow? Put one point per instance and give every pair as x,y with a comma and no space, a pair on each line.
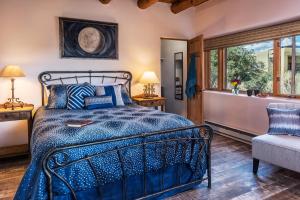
284,122
57,97
77,93
115,91
98,102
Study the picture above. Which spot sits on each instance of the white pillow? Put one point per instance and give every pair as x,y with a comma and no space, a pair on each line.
118,93
100,91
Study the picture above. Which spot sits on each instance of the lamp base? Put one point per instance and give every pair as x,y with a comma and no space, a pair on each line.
149,91
13,103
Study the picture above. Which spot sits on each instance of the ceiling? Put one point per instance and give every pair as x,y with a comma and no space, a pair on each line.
176,5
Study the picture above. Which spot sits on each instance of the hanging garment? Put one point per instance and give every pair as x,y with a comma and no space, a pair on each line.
191,81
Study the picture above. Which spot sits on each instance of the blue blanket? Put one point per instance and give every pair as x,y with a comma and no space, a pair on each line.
50,132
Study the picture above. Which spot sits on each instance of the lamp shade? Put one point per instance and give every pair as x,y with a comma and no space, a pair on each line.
149,77
12,71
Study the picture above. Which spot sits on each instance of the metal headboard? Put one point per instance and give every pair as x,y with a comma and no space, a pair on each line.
77,77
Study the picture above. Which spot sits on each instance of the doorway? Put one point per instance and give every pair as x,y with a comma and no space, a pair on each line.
173,75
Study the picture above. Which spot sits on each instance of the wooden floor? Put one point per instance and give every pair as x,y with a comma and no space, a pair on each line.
231,172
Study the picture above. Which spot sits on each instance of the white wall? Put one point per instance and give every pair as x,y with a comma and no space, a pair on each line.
240,112
168,49
29,37
219,17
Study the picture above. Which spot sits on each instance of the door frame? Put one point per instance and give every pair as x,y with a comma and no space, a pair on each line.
195,106
187,56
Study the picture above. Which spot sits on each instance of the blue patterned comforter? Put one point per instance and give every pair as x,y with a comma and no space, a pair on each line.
50,132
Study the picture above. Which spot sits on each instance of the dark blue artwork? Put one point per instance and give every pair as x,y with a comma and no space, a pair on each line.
88,39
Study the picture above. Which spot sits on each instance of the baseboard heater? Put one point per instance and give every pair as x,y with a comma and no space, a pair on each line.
235,134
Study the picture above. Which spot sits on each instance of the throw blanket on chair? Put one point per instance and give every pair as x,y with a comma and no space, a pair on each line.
191,81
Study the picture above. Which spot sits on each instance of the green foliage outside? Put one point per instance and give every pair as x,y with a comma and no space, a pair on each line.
243,65
214,69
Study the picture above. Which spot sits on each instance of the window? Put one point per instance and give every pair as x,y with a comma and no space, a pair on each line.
252,64
286,65
213,69
267,59
297,66
290,65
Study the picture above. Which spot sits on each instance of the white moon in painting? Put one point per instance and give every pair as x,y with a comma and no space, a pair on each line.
89,39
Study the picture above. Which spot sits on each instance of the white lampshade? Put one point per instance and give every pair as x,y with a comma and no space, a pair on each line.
12,71
149,77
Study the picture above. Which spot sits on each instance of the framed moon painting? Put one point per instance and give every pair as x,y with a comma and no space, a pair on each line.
88,39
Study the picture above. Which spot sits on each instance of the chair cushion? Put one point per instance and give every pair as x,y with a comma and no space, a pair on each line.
281,150
284,121
284,141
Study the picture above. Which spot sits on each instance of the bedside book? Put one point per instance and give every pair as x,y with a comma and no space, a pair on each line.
78,123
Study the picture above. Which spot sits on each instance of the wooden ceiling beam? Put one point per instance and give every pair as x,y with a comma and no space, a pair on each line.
180,6
176,7
185,4
198,2
143,4
105,1
167,1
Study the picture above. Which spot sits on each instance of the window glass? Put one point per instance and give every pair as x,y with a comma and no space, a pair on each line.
297,76
213,76
286,55
252,64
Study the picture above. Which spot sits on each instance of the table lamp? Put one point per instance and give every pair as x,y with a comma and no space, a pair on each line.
12,71
149,79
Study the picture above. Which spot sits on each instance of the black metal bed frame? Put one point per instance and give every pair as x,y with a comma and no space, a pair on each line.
66,77
203,135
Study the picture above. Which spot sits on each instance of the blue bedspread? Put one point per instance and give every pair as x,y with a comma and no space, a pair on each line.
50,131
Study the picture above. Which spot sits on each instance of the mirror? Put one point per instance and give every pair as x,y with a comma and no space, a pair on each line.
178,65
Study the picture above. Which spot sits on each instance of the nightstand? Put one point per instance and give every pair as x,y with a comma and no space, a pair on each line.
24,113
150,102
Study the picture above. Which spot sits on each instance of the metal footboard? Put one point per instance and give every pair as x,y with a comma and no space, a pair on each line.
202,137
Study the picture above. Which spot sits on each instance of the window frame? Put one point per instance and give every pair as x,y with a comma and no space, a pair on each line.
225,66
220,54
223,42
293,67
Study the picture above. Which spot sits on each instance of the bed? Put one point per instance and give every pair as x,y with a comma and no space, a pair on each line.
129,152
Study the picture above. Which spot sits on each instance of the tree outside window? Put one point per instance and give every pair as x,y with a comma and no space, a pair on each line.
252,64
213,75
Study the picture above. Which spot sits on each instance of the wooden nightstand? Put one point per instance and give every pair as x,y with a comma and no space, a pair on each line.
153,102
24,113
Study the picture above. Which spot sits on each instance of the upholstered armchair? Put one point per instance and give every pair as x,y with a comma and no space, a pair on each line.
280,150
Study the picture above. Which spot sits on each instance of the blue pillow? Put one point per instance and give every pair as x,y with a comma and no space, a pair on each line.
77,93
57,97
111,90
284,122
98,102
125,95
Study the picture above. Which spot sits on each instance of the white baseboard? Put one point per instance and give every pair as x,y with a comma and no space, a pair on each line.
231,133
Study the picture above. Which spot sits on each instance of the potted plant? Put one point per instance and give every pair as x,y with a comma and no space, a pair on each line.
249,92
235,84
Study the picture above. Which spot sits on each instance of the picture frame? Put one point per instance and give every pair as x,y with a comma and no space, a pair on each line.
88,39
